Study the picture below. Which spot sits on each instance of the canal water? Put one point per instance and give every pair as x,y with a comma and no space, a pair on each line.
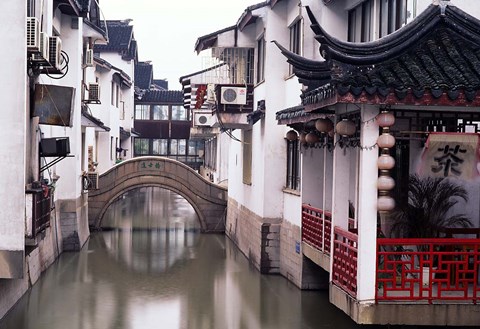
152,268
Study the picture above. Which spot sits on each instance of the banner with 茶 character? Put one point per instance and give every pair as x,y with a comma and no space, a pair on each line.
450,155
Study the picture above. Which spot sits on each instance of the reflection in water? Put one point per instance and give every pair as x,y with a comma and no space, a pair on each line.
170,276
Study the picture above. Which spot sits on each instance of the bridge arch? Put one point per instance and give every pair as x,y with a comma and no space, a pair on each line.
208,200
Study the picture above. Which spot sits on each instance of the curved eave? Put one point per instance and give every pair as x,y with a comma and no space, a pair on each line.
391,46
207,41
304,68
94,31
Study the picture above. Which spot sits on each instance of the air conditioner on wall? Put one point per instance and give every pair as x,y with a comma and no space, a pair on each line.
233,95
203,119
55,52
93,92
33,34
90,181
43,54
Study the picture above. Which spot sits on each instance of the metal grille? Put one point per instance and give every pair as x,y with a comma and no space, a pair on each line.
229,66
41,211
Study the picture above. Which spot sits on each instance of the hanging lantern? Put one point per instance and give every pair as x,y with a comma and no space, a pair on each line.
385,203
386,141
302,138
385,119
385,162
311,138
346,128
292,135
324,125
385,183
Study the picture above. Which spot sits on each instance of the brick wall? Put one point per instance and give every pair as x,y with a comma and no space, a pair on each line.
273,246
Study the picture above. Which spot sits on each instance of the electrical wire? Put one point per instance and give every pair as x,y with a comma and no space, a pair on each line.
65,67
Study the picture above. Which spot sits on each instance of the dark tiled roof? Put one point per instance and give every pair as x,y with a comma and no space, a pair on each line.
123,77
74,7
437,55
160,84
162,97
120,37
143,75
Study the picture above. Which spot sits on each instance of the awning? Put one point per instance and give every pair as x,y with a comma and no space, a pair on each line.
89,120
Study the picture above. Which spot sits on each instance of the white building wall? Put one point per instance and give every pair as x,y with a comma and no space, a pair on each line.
13,84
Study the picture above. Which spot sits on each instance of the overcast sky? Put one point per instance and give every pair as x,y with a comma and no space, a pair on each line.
166,30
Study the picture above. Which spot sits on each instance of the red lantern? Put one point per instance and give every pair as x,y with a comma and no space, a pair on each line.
302,138
324,125
346,128
311,138
292,135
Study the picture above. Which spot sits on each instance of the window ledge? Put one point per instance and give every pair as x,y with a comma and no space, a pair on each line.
290,191
289,76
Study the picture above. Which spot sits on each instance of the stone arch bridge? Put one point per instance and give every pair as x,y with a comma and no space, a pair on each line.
209,200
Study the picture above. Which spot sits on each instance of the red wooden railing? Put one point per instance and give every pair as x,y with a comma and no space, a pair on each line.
344,267
452,269
316,228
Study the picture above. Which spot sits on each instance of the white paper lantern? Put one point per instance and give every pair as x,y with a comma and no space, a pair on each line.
386,119
385,183
386,141
385,203
385,162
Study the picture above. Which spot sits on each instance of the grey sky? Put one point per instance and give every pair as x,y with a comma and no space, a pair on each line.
166,30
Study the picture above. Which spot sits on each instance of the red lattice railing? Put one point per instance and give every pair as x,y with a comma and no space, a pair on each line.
316,228
428,269
344,269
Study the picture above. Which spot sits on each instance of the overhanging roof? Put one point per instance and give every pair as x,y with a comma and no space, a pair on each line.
434,60
89,120
248,17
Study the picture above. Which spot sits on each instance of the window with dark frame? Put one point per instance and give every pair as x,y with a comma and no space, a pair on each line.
142,112
360,22
261,46
293,166
394,14
159,112
247,156
295,40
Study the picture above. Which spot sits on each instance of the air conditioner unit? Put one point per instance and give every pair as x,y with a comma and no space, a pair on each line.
94,92
89,57
203,119
33,34
233,95
90,181
55,52
43,54
55,147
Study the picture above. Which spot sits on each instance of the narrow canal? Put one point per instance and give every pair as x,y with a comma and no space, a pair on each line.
153,269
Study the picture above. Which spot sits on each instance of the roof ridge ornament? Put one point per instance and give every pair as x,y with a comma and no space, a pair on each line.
443,5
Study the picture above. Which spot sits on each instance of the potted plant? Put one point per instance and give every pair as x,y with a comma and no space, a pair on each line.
425,213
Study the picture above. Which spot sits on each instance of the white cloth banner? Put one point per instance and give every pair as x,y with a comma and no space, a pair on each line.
450,155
